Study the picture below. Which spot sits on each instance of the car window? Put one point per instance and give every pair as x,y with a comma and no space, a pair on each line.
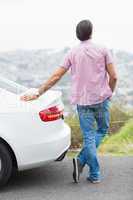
11,86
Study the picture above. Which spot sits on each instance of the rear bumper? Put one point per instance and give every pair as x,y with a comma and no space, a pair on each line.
46,151
62,156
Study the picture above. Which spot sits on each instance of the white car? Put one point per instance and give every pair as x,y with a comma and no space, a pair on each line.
31,133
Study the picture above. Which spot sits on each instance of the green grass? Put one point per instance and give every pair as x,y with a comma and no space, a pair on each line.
121,143
120,139
119,118
71,154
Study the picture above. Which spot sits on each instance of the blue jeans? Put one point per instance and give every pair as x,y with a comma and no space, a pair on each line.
88,115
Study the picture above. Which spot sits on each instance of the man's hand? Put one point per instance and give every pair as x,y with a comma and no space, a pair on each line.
31,94
28,97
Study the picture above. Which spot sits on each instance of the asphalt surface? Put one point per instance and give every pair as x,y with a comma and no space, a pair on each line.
54,182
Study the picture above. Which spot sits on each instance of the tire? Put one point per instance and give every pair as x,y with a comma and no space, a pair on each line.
6,164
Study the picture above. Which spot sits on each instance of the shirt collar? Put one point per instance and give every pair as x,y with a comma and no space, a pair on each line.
86,41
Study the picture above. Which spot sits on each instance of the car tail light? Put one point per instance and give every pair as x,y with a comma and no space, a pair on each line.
51,114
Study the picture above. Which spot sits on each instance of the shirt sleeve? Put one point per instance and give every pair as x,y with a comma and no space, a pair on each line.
67,61
108,57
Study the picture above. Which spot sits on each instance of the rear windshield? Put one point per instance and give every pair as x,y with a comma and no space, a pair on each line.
11,86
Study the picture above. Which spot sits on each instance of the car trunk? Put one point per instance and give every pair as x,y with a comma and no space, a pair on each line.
10,93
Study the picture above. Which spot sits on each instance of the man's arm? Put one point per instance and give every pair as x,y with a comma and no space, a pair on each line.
47,85
112,76
52,80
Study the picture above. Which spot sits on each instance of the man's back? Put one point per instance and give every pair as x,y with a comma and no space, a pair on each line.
88,63
93,80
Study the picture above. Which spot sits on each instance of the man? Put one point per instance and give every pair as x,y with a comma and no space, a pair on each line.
93,82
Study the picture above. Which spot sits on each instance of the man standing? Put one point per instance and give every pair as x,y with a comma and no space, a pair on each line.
93,82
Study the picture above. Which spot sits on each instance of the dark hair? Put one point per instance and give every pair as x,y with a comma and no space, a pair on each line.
84,30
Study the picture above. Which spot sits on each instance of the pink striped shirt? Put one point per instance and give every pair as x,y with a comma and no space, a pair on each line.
89,78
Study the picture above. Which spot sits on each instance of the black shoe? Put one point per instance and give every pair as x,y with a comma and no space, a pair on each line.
77,170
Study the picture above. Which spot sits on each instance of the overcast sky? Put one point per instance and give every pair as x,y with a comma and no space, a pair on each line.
35,24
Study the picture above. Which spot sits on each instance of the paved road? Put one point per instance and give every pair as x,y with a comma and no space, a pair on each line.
54,182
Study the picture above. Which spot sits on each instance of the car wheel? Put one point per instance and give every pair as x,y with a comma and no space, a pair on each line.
6,164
